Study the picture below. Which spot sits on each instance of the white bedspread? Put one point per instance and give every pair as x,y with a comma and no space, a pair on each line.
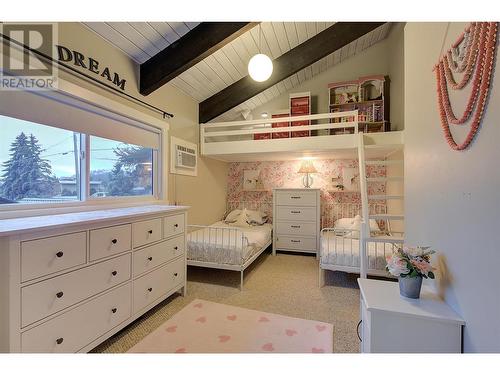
227,246
344,251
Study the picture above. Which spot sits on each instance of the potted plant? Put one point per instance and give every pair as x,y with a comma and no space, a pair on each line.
410,265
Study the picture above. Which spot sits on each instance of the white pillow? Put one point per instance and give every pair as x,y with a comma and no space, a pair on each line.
343,223
374,226
241,221
232,216
255,217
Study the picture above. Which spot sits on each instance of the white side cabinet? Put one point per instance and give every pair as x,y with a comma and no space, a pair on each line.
296,220
68,282
394,324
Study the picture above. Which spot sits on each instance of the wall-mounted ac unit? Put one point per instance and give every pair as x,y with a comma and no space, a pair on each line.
183,157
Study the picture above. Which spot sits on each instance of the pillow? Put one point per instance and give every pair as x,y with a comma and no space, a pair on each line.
255,217
241,221
232,216
374,226
354,228
343,223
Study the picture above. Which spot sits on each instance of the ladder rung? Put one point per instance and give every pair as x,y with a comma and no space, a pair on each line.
385,197
384,162
384,179
387,216
389,239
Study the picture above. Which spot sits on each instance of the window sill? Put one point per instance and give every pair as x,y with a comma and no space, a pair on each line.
17,211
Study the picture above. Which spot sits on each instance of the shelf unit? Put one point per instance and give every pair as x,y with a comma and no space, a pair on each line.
300,105
278,114
369,95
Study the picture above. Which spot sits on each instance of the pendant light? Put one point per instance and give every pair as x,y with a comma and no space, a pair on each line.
260,66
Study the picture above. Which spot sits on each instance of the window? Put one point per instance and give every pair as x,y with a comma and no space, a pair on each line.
44,164
38,163
119,169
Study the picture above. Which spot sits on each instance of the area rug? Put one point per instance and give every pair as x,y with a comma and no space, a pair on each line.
209,327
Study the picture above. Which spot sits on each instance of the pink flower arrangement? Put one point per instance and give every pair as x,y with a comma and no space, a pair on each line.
411,262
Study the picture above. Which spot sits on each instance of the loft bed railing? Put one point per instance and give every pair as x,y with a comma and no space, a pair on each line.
234,131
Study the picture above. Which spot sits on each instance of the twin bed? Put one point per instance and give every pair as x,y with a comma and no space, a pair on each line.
234,245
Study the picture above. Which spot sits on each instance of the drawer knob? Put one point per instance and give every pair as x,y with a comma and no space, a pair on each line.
150,258
150,289
114,273
175,274
296,241
59,341
114,240
295,226
295,197
114,310
59,254
59,294
150,231
176,248
176,225
295,212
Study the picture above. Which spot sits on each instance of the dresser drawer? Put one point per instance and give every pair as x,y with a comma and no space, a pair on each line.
154,255
48,255
296,198
296,228
296,243
72,331
173,225
50,296
153,285
287,213
146,232
109,241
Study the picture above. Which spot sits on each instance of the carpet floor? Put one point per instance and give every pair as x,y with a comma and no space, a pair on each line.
286,284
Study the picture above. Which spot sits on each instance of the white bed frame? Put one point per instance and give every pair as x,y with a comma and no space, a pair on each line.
238,233
336,211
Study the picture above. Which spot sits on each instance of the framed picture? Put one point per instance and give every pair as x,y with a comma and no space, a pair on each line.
350,179
251,179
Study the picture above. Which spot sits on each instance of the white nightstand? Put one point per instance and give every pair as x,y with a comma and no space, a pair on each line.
394,324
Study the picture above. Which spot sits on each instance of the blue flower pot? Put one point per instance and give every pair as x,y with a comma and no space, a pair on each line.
409,287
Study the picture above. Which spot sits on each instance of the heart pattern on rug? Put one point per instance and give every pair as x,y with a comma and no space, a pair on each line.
268,347
320,328
171,329
290,332
208,327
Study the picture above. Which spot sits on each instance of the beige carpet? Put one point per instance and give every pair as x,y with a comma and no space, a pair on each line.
286,284
209,327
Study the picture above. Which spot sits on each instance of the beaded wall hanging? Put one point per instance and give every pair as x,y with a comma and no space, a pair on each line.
473,56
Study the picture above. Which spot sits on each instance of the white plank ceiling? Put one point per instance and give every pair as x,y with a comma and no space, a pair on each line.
142,40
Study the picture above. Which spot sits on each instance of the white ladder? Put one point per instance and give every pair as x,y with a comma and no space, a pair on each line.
365,235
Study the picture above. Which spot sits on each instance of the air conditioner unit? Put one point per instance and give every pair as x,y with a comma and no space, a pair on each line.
185,157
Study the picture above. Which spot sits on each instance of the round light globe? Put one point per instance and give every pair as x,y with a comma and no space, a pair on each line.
260,67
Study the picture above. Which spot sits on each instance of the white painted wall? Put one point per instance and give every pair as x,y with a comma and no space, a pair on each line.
453,198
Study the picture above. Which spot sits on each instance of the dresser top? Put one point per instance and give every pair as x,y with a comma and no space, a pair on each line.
384,296
25,224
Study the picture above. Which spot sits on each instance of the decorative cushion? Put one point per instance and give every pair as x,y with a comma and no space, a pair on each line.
256,217
232,216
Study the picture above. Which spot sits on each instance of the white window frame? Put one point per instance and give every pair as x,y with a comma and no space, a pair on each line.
86,202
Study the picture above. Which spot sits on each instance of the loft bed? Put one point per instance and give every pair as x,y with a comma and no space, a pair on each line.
326,135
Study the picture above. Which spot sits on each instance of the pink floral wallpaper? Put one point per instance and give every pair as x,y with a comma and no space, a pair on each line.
275,174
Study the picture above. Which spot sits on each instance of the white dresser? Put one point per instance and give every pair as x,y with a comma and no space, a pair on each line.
68,282
296,220
394,324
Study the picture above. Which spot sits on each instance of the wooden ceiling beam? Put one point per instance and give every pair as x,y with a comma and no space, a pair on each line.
326,42
202,41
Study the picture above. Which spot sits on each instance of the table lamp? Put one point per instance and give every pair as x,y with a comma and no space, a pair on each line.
307,167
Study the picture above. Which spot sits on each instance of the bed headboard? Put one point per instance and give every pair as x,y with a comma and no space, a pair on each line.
334,211
265,206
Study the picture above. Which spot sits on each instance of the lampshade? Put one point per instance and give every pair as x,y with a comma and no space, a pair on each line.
307,167
260,67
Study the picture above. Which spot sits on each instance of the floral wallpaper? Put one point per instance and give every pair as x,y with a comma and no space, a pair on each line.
276,174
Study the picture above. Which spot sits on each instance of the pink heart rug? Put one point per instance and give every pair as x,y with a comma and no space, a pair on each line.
209,327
